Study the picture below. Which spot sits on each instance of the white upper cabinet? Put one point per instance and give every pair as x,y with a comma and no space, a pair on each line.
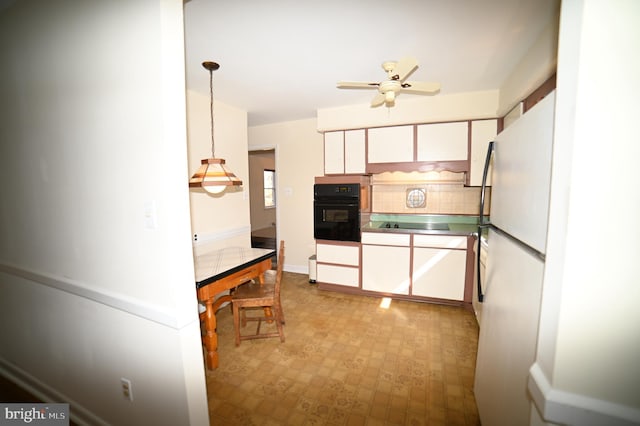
458,146
443,141
334,153
390,144
482,132
354,149
344,152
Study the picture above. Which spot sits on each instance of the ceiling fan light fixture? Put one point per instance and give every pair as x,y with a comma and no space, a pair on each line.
213,176
389,97
397,73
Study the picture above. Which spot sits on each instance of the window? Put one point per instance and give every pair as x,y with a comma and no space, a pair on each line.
269,188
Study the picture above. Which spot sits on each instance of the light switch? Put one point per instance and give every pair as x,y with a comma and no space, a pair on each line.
150,215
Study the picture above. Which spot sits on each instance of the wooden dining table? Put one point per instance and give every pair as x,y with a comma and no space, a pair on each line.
220,270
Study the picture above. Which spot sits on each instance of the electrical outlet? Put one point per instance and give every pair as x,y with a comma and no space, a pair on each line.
195,237
127,391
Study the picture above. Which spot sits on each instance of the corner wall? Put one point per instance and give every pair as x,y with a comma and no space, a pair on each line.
299,159
96,269
586,370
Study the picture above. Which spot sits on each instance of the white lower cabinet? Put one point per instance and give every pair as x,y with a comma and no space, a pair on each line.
439,273
386,262
439,266
338,264
422,265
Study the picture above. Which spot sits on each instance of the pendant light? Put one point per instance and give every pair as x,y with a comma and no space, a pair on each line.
213,176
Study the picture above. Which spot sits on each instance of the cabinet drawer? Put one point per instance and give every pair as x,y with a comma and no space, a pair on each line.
343,255
440,241
342,275
384,239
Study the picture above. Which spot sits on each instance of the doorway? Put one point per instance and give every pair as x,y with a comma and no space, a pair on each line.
263,198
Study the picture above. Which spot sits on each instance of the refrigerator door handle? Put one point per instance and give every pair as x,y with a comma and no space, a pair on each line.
481,222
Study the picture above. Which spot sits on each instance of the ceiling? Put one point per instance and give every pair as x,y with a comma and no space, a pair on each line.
280,60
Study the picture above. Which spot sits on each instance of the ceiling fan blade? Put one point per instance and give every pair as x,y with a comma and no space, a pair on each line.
404,68
420,87
356,85
377,100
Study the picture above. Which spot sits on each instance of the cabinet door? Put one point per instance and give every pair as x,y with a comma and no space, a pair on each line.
354,151
390,144
443,141
482,132
439,273
334,153
386,269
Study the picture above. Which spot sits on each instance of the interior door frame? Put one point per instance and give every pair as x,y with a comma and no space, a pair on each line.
278,192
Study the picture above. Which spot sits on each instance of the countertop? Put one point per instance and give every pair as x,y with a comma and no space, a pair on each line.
457,224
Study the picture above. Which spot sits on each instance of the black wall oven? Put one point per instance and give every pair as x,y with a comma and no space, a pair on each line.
336,211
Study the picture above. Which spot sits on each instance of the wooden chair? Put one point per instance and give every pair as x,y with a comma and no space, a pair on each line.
265,296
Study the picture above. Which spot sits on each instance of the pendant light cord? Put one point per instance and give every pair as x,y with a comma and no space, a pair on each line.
213,149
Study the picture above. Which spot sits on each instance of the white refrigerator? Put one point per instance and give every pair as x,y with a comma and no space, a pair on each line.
520,159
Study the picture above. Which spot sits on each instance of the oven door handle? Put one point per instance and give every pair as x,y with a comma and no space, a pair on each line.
348,203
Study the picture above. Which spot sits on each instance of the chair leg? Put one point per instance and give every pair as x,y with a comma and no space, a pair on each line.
236,322
279,322
281,312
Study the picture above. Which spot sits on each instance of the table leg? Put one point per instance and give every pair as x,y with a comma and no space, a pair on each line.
210,337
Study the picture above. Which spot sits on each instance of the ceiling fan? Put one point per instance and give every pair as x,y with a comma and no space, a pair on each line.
397,73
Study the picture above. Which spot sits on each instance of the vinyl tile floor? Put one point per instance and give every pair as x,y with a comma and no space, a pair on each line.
348,361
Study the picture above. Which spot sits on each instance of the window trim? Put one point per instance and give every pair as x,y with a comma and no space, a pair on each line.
265,188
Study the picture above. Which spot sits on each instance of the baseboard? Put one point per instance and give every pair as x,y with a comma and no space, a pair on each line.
297,269
79,414
557,406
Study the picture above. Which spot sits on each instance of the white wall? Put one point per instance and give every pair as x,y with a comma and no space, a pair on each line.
534,68
299,159
93,139
586,371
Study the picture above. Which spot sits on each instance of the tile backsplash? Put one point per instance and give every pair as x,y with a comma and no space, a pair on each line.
445,194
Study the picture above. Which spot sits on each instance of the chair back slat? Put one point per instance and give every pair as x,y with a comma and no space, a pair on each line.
279,268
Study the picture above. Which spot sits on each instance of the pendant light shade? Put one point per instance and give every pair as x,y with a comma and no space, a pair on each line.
213,176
